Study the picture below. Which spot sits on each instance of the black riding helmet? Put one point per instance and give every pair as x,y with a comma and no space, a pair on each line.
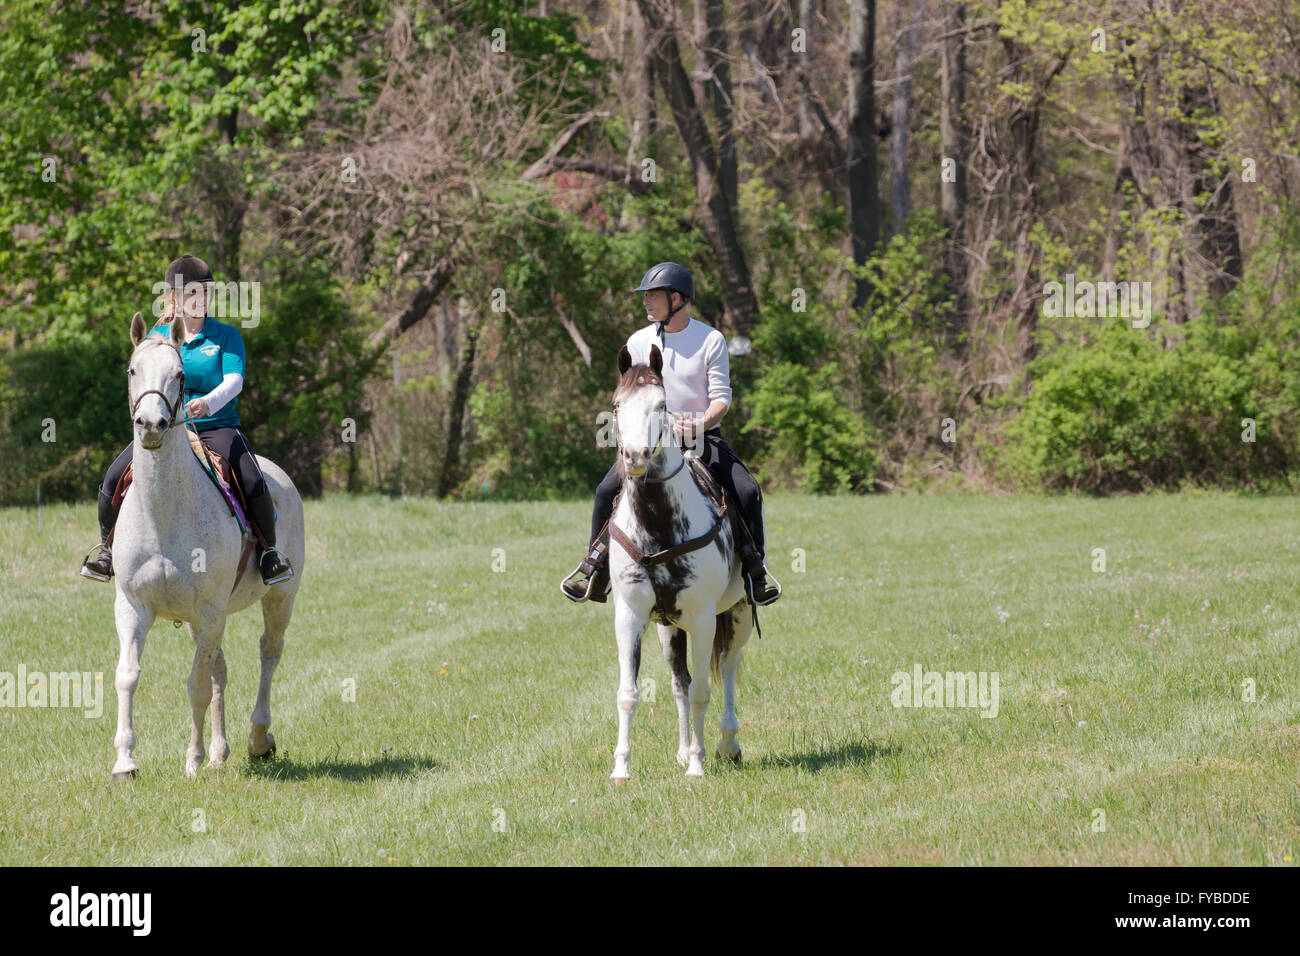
674,278
189,269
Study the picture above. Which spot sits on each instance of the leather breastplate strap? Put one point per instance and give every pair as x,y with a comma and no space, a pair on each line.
686,547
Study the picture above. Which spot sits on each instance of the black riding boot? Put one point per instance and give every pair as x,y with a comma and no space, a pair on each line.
751,559
595,587
273,565
100,568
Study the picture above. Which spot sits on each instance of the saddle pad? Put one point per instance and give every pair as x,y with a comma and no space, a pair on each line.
224,477
224,480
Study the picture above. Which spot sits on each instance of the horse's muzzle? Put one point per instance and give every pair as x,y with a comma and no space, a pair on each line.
151,436
636,463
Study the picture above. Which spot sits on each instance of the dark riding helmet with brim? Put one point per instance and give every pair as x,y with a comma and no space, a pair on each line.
187,269
670,276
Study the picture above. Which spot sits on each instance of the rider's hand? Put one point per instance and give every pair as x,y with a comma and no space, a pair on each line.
684,426
197,407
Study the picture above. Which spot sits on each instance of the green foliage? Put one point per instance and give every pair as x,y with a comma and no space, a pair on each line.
810,433
77,384
534,409
307,366
829,400
901,335
74,231
1128,410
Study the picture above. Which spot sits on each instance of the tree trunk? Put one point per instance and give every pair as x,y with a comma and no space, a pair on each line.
901,120
449,475
1130,96
711,42
807,118
225,186
719,225
1216,223
1025,123
643,73
864,199
952,147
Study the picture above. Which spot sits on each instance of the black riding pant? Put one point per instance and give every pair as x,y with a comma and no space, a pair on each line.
230,443
726,469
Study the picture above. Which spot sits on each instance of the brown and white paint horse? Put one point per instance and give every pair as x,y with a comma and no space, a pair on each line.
699,593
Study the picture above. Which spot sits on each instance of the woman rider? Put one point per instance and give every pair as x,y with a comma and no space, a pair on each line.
212,357
697,383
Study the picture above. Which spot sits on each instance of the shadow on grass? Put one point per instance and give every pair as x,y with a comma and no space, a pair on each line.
852,753
286,768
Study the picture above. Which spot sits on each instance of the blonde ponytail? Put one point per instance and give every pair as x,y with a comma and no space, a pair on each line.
168,312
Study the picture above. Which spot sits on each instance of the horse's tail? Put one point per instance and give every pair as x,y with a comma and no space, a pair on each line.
723,631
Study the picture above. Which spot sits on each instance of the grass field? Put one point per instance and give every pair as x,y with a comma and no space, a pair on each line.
484,721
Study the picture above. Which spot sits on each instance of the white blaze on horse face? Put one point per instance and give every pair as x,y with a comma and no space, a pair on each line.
642,427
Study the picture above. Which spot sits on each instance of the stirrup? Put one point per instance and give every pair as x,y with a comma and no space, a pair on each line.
589,594
284,575
592,570
749,591
92,575
750,581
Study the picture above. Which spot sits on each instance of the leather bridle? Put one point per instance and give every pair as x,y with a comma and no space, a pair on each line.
173,408
650,379
633,550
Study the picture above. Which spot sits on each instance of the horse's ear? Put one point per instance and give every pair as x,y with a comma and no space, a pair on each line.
137,329
178,330
657,360
624,360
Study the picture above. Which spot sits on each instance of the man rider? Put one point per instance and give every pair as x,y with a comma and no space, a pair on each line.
697,383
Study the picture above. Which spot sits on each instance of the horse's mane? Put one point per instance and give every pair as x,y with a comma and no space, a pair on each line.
635,377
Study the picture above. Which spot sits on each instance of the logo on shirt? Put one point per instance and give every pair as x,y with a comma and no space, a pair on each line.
210,349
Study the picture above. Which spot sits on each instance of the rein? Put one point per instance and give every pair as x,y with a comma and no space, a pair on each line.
686,547
173,408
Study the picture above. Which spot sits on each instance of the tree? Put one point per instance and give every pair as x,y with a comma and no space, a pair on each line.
718,223
864,197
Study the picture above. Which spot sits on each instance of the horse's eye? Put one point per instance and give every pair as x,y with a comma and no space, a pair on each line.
130,371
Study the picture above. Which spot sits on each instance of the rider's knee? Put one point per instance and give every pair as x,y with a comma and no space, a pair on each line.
254,485
747,493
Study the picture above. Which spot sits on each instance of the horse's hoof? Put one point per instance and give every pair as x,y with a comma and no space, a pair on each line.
695,771
123,776
717,755
266,754
618,781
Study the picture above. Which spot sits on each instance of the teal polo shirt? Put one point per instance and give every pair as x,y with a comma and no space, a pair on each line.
217,351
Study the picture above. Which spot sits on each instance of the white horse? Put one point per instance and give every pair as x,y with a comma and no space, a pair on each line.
675,561
178,556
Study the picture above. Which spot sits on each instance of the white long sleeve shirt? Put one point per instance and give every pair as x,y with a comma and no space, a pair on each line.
231,385
697,369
